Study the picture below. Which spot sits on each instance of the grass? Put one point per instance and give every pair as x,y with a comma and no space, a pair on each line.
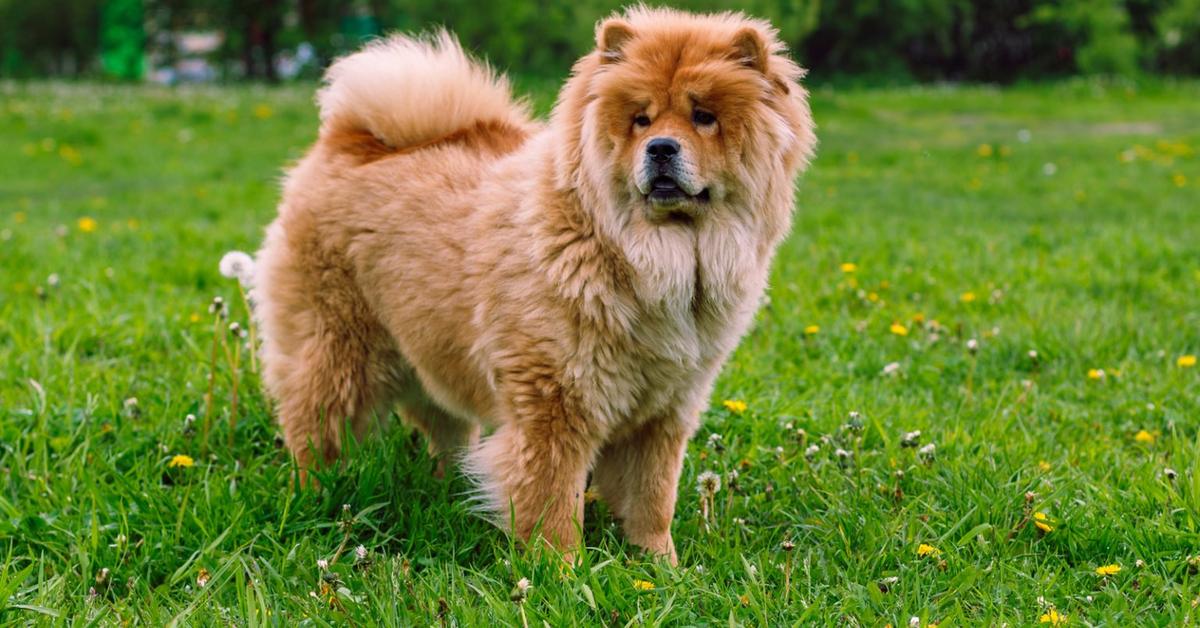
1067,211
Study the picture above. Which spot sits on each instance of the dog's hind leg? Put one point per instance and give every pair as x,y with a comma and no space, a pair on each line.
327,361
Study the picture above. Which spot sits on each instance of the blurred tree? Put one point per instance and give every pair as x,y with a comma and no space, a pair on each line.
122,39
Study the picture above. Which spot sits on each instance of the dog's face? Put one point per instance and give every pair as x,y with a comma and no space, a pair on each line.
692,112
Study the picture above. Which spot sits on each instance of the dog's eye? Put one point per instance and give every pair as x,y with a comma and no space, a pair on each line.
641,120
701,117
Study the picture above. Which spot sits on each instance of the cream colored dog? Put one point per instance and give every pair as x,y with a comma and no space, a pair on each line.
574,286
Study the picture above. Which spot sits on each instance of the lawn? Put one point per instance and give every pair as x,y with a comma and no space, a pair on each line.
1015,273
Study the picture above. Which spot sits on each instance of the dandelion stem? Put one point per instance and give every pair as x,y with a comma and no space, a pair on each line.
212,378
252,328
787,578
233,401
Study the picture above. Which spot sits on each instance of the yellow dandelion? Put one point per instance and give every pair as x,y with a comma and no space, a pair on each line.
87,224
898,329
967,297
1108,570
643,585
1144,437
873,297
1042,522
849,267
984,150
735,406
1179,180
181,460
812,330
19,217
926,549
1043,465
744,599
262,111
591,496
1186,361
70,154
195,317
1095,373
1053,617
918,318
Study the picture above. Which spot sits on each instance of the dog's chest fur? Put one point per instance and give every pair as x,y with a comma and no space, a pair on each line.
689,295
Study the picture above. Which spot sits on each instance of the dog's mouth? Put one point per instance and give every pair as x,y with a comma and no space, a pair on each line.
665,190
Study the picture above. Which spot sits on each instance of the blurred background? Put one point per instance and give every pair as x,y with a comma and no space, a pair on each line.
175,41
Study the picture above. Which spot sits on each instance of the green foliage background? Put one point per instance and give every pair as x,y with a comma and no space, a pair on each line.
894,40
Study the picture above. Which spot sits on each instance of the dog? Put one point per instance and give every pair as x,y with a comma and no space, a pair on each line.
573,286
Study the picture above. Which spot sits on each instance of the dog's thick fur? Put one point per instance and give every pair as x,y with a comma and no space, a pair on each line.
440,250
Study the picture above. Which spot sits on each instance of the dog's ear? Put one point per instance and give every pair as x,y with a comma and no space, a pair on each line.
750,49
611,37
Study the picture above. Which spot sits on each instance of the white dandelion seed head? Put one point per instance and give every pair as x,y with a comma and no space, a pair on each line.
53,280
1049,169
360,553
708,483
131,402
928,451
914,622
524,585
812,451
1170,473
322,564
1139,563
891,368
842,453
1024,135
238,265
910,439
973,345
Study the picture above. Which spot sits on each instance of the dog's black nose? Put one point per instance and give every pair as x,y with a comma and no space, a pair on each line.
662,149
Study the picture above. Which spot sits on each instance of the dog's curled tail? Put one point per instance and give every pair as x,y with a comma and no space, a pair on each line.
408,91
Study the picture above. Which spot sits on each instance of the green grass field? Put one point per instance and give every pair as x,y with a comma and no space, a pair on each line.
942,235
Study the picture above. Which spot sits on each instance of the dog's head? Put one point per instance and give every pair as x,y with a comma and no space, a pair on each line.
687,114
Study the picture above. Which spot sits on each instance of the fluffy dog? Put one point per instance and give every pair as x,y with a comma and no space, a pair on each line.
573,286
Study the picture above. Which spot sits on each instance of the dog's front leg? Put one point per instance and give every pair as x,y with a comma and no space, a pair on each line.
532,472
638,476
